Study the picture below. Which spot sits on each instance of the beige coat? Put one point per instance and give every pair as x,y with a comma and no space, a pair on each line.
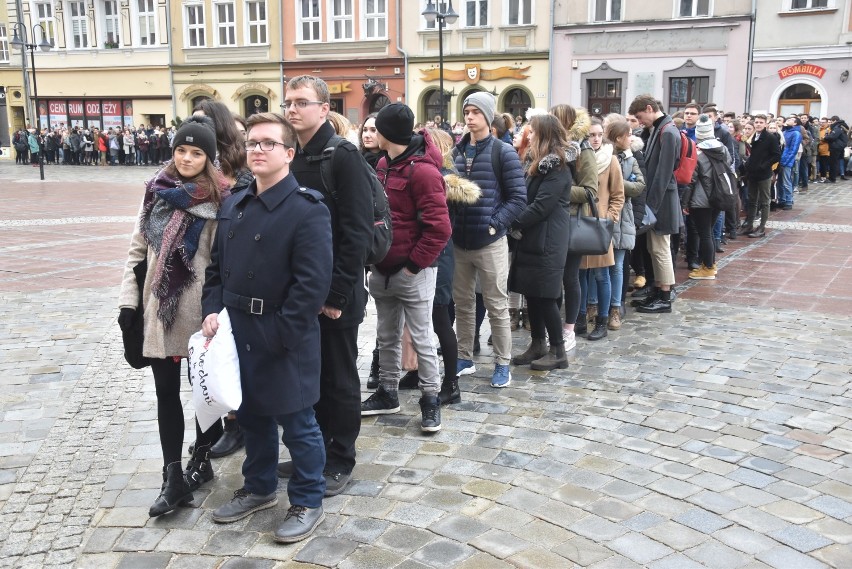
160,343
610,202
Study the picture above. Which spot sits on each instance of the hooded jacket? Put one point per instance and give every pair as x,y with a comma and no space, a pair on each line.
585,170
624,234
792,140
697,195
501,201
418,203
837,138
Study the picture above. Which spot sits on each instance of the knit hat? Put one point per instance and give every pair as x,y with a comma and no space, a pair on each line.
704,128
483,101
197,131
395,122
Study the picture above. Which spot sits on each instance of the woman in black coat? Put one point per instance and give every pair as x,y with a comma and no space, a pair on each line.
539,259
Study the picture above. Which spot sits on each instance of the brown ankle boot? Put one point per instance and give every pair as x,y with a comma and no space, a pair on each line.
591,314
514,319
614,320
554,359
536,349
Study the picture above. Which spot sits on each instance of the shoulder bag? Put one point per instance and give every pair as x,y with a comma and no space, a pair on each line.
589,235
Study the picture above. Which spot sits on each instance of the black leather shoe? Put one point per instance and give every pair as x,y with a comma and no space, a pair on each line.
230,442
757,233
658,306
647,300
644,291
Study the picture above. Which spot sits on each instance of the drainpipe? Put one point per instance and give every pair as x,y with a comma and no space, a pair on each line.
550,55
29,104
750,67
402,51
171,64
281,49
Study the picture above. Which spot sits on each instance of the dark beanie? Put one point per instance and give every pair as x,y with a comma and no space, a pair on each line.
197,131
395,122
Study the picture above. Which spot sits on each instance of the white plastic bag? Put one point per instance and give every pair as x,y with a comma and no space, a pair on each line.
214,372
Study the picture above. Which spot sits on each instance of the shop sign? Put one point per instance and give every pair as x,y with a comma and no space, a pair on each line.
473,73
338,88
802,69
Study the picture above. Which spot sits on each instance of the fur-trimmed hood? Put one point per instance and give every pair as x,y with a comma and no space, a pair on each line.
582,124
636,144
548,163
461,191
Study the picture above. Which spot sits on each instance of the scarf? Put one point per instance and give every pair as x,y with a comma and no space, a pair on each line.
572,151
603,157
173,217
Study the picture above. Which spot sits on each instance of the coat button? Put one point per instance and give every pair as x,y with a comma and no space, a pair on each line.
230,234
240,215
227,272
248,347
251,274
257,237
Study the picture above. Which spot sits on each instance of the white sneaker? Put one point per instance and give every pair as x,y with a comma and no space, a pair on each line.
570,340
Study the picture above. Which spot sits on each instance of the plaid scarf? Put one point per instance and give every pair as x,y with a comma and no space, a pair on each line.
173,216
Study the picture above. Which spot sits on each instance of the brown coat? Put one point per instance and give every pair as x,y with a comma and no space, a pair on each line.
160,343
610,202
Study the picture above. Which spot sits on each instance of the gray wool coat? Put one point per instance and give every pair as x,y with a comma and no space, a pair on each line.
661,155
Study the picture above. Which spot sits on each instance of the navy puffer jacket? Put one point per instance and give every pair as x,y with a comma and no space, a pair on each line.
499,205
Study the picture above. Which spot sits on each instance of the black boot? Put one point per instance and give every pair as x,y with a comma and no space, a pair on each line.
175,491
581,325
230,442
600,329
199,469
537,349
662,304
554,359
449,393
647,300
373,380
718,244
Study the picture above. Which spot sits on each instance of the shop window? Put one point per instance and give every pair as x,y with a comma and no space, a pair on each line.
79,25
375,15
607,10
44,15
256,22
516,102
475,13
604,96
810,4
308,12
195,26
683,90
146,18
432,105
4,44
694,8
255,104
341,19
520,12
226,23
111,23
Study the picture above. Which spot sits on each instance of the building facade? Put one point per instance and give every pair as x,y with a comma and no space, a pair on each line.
803,57
499,46
606,52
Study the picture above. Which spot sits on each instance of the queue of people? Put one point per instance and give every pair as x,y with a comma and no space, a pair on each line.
274,219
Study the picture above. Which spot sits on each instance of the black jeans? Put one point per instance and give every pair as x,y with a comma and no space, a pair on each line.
834,158
443,328
700,228
571,287
338,410
544,316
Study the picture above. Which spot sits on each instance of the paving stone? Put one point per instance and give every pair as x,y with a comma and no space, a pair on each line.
800,539
643,521
782,557
248,563
832,506
835,530
184,541
102,540
141,539
676,561
597,528
537,559
364,530
499,543
369,557
717,503
751,478
582,551
443,553
195,562
326,551
459,527
145,561
404,539
745,540
792,512
230,542
757,520
835,555
717,556
702,520
639,548
542,533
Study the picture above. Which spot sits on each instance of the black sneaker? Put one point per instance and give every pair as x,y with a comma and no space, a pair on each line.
430,407
336,482
380,403
410,380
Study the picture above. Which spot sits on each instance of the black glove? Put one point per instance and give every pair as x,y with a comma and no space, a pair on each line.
126,318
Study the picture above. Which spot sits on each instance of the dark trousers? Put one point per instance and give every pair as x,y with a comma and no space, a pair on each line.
443,327
571,287
338,411
700,228
302,438
834,158
544,316
824,167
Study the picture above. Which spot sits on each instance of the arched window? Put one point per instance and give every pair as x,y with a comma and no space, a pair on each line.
378,102
516,102
254,104
198,99
432,106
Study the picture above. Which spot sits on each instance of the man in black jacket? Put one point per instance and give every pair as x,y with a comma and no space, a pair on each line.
837,140
765,152
338,412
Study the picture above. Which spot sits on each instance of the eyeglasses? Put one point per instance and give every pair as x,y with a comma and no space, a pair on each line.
301,104
265,145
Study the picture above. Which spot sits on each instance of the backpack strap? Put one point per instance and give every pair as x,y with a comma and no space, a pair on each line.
326,165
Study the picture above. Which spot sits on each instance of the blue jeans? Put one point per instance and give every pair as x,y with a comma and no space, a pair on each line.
785,186
794,175
600,293
303,439
718,225
804,171
616,277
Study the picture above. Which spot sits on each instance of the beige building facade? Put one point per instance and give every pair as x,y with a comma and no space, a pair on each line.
497,46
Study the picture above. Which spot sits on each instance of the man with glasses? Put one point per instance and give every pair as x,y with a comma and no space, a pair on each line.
690,118
338,411
271,267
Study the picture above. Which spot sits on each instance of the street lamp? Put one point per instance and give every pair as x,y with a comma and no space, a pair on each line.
449,17
19,41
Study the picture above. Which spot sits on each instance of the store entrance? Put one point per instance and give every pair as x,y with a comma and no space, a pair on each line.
800,98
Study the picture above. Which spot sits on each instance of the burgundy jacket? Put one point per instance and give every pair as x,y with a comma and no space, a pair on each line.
418,203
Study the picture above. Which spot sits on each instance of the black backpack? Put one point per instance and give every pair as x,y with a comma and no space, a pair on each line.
722,192
382,228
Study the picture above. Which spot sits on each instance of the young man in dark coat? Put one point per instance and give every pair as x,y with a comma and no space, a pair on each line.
403,283
765,152
661,156
271,267
307,103
837,140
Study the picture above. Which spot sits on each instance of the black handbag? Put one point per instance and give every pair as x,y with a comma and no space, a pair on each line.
134,337
589,235
648,221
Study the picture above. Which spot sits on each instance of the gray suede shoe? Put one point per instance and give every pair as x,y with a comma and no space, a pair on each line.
299,524
243,504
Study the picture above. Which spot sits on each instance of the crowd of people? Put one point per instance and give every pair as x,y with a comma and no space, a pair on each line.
274,218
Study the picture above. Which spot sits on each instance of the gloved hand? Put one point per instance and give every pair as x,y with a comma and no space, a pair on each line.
126,318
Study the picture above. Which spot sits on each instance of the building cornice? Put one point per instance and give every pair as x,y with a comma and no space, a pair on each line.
806,52
645,25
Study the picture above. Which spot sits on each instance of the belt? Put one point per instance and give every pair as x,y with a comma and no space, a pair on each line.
248,304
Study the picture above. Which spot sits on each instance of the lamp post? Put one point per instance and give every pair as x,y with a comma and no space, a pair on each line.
431,13
19,41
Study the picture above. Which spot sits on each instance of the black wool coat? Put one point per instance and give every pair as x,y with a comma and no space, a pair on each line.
538,260
276,246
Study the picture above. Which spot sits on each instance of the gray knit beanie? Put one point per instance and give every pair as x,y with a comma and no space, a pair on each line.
485,102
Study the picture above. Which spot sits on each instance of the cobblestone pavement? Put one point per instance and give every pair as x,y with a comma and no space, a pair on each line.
717,436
